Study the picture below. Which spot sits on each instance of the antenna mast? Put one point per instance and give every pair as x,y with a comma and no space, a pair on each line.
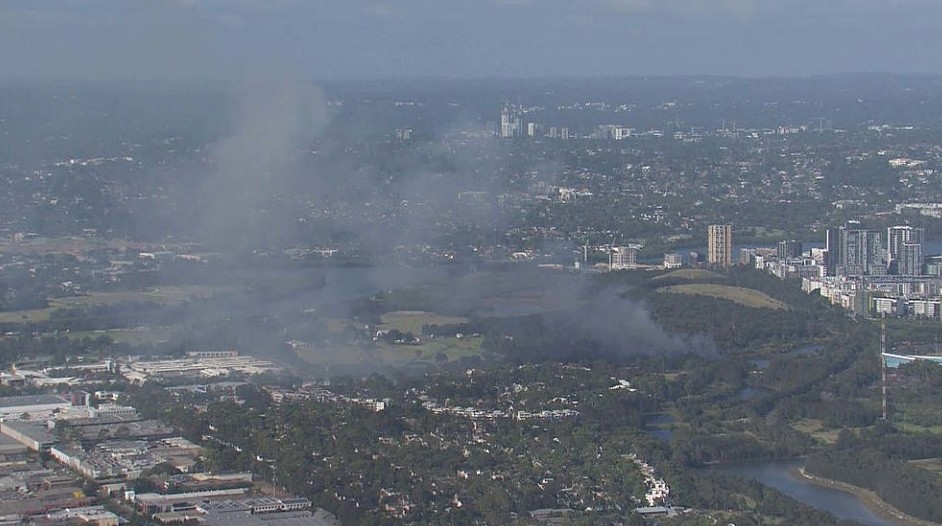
883,364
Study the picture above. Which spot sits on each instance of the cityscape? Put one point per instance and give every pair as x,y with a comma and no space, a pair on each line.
507,262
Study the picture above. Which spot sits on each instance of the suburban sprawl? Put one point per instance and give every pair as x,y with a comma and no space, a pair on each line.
651,300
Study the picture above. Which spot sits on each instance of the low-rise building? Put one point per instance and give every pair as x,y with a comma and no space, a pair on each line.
196,367
31,406
94,515
156,503
34,435
12,451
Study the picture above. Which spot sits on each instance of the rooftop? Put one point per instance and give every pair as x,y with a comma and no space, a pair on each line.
9,402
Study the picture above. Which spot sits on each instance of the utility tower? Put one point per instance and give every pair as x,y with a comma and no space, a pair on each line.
883,365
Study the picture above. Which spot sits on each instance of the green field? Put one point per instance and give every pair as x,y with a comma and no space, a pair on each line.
692,274
346,353
131,336
743,296
931,464
378,355
817,430
168,295
493,293
915,428
412,321
25,316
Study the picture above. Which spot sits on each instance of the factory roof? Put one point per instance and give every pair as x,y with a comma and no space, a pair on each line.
8,402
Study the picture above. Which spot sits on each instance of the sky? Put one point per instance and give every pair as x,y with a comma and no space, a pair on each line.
380,39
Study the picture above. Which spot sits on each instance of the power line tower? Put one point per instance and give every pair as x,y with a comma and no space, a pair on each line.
883,365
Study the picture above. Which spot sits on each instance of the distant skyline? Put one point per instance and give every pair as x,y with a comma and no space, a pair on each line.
368,39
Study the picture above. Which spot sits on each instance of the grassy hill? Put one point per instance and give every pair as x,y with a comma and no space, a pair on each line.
743,296
692,274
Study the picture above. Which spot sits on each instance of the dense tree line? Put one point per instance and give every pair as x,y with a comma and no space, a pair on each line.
909,488
56,348
726,492
714,490
20,290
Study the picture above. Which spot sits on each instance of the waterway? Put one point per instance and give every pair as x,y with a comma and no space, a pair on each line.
783,476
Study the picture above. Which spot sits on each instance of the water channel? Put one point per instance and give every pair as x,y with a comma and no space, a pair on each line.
782,475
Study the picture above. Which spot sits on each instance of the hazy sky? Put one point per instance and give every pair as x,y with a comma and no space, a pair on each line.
342,39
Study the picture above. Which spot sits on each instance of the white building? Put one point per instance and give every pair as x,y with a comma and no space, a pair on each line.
625,258
925,308
511,123
887,306
673,260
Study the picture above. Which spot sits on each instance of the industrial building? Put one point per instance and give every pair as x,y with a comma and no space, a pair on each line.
32,406
34,435
195,367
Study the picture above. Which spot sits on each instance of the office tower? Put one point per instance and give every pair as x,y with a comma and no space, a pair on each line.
720,245
896,238
790,249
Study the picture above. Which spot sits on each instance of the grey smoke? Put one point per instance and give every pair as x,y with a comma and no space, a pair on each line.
252,168
624,326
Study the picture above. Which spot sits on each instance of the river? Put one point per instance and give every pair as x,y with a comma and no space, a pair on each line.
782,475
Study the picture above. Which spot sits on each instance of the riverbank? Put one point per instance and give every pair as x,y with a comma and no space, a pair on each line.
868,497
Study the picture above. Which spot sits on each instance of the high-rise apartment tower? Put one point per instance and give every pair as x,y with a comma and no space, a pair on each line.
720,245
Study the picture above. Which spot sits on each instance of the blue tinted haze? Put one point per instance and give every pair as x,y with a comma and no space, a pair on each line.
368,39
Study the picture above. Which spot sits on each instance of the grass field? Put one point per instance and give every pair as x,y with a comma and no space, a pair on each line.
378,355
164,295
168,295
692,274
494,294
412,321
743,296
131,336
346,354
914,428
931,464
816,430
25,316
